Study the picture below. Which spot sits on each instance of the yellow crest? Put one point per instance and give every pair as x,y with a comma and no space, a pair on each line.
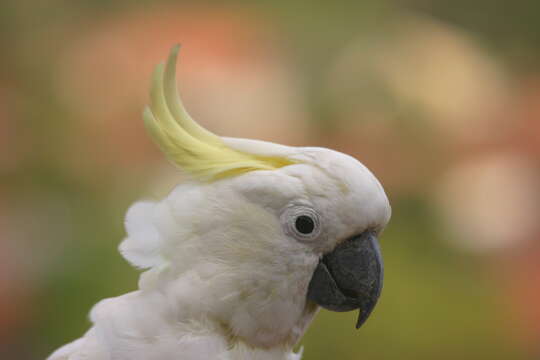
188,145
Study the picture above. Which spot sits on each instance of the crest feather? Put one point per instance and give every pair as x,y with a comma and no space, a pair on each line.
187,144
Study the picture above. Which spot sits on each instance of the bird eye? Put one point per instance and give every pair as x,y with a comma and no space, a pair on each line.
304,224
301,222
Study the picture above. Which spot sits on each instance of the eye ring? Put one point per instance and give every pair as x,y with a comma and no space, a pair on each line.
301,222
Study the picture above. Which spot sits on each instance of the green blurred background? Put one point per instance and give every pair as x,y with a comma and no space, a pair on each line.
441,99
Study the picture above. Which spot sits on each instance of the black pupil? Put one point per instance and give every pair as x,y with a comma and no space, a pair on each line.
304,224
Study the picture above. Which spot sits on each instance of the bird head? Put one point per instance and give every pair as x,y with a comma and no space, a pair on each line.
262,235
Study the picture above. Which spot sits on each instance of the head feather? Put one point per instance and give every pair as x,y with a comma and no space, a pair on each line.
187,144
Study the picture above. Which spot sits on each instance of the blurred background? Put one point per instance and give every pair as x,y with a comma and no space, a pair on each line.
441,99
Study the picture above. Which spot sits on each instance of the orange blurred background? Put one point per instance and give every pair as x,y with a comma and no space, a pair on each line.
441,100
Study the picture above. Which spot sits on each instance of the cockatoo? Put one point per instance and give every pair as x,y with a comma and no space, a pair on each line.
240,258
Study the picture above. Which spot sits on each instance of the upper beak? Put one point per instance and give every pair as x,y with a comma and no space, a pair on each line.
350,277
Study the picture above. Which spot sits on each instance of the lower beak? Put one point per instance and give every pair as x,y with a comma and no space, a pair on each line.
350,277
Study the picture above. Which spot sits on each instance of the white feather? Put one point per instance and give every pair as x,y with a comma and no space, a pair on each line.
224,281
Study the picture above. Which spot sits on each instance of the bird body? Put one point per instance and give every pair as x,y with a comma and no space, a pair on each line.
238,260
124,329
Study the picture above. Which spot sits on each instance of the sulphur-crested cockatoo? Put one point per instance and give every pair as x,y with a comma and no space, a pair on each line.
239,258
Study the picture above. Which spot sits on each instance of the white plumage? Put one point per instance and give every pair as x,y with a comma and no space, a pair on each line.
224,279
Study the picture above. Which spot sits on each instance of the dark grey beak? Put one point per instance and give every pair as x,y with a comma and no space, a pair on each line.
350,277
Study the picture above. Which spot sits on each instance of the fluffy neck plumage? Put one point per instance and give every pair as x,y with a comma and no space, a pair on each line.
266,314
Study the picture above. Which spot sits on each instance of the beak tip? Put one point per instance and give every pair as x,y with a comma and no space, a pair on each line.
365,312
361,319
